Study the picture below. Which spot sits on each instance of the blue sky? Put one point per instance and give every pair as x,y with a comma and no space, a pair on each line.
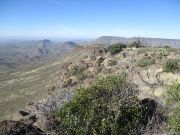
89,18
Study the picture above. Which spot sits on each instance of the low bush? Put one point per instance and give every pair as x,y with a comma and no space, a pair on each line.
162,53
173,93
108,107
116,48
171,65
167,46
175,121
145,50
173,100
145,62
77,70
112,62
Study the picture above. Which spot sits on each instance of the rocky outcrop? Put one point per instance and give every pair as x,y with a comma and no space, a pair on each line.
41,114
19,128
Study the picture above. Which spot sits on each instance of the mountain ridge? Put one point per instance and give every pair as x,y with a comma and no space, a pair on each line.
108,40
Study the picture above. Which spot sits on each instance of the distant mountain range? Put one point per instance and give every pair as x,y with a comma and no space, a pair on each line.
32,52
108,40
15,53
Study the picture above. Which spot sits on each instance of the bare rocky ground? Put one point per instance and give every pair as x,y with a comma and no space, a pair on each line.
19,128
93,63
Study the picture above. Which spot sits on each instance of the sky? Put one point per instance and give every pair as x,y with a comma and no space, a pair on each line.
89,18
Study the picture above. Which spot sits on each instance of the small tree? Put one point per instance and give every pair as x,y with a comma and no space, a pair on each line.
116,48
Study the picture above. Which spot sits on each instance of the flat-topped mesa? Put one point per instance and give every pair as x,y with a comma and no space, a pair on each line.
108,40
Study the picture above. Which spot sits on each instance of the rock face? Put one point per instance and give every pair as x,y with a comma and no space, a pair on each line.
107,40
40,115
19,128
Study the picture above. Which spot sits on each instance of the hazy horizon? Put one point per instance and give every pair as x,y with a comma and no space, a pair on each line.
60,39
83,19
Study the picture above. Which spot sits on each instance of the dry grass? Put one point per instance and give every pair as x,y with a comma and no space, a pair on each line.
18,88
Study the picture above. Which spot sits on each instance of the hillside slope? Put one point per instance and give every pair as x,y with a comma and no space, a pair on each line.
143,67
27,71
25,53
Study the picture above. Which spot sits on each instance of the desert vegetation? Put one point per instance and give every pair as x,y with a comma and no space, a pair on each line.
171,65
89,67
146,61
112,62
173,101
126,100
78,72
109,106
116,48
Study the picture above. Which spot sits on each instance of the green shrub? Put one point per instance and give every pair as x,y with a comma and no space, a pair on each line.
112,62
173,94
171,65
77,70
108,107
167,46
175,121
145,62
116,48
162,53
